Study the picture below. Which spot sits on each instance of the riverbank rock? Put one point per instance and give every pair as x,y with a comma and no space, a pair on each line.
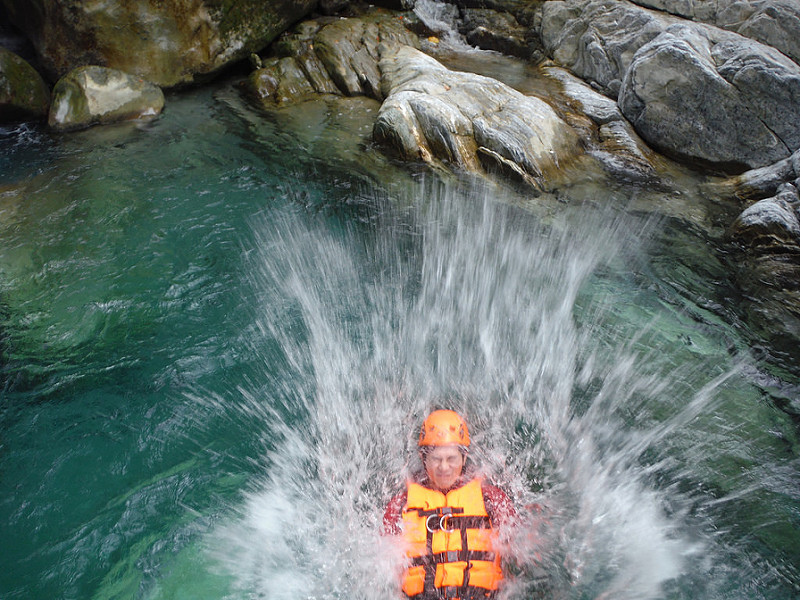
494,30
775,23
693,91
329,56
772,223
168,43
23,93
608,136
94,95
758,183
468,121
766,238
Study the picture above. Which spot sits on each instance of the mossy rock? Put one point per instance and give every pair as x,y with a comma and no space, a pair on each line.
23,93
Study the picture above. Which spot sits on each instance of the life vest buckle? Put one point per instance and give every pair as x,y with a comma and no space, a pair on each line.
443,523
438,522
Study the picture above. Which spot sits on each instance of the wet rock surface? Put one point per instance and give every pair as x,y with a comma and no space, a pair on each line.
474,122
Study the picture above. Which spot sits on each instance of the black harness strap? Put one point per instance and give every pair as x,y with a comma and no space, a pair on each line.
450,519
452,556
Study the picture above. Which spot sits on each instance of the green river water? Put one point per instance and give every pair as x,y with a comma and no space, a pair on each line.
221,329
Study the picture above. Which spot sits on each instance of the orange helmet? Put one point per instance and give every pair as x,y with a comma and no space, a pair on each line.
443,428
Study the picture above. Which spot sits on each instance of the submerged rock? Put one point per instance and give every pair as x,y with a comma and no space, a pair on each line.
93,95
168,43
23,92
472,122
766,263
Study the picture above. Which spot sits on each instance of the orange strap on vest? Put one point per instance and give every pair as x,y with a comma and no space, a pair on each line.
450,543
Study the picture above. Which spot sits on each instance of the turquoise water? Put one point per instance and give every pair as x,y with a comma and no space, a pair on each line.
221,329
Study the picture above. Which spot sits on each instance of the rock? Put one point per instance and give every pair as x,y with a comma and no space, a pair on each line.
23,92
493,30
741,96
771,223
168,43
775,23
766,262
683,74
608,136
93,95
468,121
333,56
758,183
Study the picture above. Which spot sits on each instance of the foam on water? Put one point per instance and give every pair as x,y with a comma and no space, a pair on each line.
477,306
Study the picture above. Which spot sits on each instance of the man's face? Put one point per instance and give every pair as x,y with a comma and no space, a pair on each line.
444,464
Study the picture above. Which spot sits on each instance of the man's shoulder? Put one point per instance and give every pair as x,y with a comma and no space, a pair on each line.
493,491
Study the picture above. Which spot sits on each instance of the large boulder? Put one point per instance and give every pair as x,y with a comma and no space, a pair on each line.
23,92
713,99
168,43
468,121
775,23
95,95
691,90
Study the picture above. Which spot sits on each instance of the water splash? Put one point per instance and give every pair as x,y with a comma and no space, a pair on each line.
442,19
474,305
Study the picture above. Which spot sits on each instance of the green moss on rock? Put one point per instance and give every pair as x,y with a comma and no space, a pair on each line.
23,92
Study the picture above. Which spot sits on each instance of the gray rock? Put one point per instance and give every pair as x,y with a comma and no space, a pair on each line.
775,23
693,91
493,30
23,92
611,139
469,121
676,96
771,223
94,95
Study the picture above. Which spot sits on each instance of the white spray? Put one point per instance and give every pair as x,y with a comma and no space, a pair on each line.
463,303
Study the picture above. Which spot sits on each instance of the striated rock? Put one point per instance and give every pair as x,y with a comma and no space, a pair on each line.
693,91
620,150
758,183
773,223
330,56
168,43
94,95
468,121
766,263
23,92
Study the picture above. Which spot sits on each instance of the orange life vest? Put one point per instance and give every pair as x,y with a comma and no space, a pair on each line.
450,542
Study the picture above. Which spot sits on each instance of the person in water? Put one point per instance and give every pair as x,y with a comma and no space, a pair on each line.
448,516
